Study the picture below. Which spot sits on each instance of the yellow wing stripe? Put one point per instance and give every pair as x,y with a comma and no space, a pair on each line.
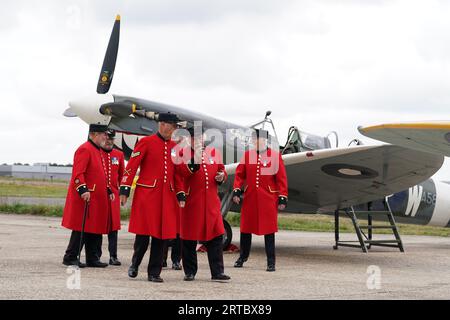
424,125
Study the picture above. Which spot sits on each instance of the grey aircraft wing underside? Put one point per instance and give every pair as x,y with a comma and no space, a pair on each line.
324,180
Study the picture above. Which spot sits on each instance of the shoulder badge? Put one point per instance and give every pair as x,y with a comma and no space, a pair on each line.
135,154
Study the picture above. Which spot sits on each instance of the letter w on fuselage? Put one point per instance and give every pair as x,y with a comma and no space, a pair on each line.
414,198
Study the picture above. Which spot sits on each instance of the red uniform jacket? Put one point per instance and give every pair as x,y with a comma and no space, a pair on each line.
116,166
88,173
264,176
155,208
201,218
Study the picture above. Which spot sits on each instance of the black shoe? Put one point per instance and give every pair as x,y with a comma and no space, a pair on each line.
220,276
189,277
133,272
176,266
74,263
164,265
114,261
239,263
155,279
270,268
96,264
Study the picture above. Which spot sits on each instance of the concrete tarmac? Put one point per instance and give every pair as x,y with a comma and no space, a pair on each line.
31,251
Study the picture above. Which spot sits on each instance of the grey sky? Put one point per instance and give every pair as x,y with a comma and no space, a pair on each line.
319,65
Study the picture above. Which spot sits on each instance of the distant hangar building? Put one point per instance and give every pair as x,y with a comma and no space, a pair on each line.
43,171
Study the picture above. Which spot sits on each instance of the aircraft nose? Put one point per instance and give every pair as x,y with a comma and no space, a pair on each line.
88,108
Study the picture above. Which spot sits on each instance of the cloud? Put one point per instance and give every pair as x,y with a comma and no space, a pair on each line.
319,65
179,12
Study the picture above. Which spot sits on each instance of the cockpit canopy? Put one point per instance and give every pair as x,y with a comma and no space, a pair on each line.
299,141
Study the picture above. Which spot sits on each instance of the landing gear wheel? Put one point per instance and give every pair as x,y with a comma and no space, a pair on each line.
228,236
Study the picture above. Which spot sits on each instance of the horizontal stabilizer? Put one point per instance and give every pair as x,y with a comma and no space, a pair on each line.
429,136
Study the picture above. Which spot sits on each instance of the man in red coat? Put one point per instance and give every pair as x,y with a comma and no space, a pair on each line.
116,165
201,219
262,176
88,184
154,209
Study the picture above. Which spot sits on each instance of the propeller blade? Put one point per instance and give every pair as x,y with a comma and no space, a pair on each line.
109,63
69,113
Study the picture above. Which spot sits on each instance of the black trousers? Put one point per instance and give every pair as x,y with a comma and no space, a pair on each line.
156,253
175,254
112,244
92,243
269,242
215,256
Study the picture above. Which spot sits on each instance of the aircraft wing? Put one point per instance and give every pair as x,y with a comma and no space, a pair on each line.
430,136
324,180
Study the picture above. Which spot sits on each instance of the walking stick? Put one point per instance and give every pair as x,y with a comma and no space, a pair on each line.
86,209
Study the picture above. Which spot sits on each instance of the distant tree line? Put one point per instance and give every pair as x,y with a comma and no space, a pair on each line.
60,165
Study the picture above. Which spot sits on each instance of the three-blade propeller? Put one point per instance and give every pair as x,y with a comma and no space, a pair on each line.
87,108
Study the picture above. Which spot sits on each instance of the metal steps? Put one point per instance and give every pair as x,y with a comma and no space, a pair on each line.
366,241
376,227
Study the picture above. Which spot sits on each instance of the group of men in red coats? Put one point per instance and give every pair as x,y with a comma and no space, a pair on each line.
173,199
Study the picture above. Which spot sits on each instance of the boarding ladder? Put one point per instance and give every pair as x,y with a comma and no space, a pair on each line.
366,241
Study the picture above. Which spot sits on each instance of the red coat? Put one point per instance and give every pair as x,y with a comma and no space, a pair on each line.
201,218
264,184
155,208
116,162
88,173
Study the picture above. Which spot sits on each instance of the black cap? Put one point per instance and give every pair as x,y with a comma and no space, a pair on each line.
168,117
97,128
261,133
111,133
